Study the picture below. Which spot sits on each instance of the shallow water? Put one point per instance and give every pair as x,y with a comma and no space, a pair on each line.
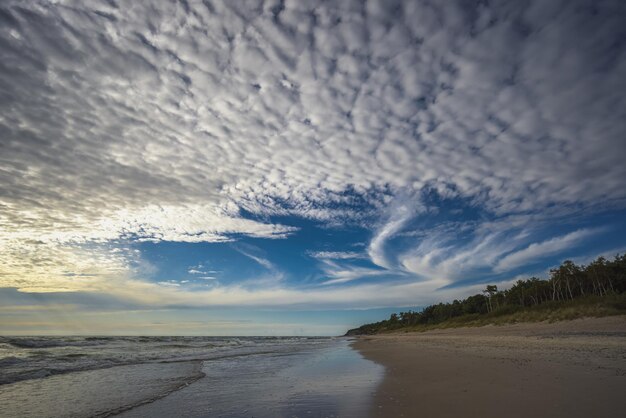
331,381
96,392
188,377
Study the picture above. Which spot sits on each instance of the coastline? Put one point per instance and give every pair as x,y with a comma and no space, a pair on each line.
565,369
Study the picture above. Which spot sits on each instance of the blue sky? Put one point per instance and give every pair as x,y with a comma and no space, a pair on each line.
298,168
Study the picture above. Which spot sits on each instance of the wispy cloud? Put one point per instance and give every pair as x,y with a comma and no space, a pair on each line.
536,251
253,253
336,255
343,273
398,218
200,269
273,274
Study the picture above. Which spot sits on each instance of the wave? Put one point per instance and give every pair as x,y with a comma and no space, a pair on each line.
21,342
142,384
186,382
10,361
25,358
8,378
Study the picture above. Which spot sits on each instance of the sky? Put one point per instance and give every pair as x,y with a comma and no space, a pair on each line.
289,167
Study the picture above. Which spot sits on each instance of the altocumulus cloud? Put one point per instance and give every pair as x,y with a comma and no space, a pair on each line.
124,122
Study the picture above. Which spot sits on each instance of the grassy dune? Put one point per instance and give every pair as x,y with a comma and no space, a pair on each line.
591,306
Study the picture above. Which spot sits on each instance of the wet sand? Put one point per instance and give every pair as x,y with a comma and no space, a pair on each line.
566,369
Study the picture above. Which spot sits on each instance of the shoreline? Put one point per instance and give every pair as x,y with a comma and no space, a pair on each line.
565,369
332,380
261,378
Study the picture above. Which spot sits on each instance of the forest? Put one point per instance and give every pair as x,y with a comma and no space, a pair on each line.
571,286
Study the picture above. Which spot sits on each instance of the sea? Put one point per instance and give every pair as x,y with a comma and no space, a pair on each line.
262,377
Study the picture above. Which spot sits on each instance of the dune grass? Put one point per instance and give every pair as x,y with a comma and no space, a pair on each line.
591,306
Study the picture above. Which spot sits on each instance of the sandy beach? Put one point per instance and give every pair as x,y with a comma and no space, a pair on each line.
565,369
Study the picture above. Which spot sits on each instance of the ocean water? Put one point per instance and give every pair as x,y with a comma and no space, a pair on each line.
183,376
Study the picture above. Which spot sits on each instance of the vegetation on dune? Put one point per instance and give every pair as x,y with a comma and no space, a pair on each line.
572,291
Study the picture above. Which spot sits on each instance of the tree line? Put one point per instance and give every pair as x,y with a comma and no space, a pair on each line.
567,282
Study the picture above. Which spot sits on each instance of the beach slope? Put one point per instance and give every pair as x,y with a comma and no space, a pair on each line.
564,369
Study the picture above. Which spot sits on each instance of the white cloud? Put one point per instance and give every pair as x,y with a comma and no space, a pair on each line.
255,254
174,116
336,255
337,273
158,124
400,215
38,266
172,294
539,250
443,254
189,223
465,251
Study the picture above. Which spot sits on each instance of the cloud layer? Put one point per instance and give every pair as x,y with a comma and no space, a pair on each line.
202,121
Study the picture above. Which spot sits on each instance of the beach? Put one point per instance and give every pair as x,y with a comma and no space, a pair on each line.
564,369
